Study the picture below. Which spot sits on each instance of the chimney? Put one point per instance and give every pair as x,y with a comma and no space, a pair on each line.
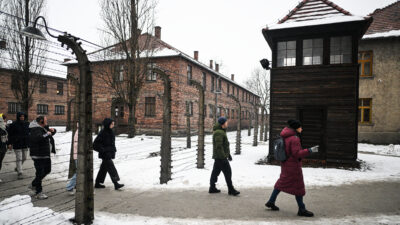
233,77
67,60
196,55
211,64
157,32
217,67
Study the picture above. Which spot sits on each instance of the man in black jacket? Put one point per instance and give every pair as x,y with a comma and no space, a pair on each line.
105,145
40,152
18,135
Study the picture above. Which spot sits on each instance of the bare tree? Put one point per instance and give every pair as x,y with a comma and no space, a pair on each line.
25,54
259,83
124,21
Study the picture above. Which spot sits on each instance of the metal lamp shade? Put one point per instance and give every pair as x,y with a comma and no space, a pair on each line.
33,32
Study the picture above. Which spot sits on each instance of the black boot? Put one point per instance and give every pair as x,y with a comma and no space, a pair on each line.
117,186
233,192
98,185
305,212
213,190
272,206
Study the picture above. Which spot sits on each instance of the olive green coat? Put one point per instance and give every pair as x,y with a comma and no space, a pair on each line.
220,143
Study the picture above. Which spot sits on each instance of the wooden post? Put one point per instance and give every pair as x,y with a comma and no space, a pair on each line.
200,140
239,125
266,125
255,139
188,136
165,173
84,203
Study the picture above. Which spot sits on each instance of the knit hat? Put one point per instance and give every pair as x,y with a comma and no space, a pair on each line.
222,120
294,124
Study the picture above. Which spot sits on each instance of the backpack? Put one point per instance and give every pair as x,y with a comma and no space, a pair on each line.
279,149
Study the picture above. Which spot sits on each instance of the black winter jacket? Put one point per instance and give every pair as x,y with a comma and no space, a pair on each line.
18,133
39,140
53,145
105,141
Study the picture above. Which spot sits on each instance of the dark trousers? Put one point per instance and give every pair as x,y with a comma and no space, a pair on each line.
107,166
2,154
43,167
299,199
221,165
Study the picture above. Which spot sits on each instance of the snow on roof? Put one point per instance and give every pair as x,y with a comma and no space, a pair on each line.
385,19
392,33
312,13
315,22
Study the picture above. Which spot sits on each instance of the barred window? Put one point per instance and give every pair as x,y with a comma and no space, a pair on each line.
189,106
340,50
42,109
151,75
43,86
189,73
59,110
14,107
60,88
150,106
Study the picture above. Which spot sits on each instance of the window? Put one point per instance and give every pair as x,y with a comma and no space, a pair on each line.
233,114
312,51
204,81
43,86
211,114
150,107
121,73
340,50
227,89
237,93
242,96
59,110
205,112
151,75
286,53
190,107
233,90
365,64
42,109
227,113
365,110
14,107
60,88
219,85
218,111
212,83
121,113
189,73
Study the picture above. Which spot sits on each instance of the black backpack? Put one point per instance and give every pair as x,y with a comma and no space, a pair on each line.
280,149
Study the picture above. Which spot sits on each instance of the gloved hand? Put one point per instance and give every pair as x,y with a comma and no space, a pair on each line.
314,149
229,157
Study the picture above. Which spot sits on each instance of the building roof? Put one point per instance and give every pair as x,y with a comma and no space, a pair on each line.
386,22
312,13
154,48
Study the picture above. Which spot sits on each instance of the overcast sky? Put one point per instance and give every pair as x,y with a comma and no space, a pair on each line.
228,31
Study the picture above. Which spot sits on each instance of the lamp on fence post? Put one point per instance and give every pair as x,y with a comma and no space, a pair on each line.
84,202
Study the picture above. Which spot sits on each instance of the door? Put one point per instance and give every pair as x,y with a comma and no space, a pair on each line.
313,120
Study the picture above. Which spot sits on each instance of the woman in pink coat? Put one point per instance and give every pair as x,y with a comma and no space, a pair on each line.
291,178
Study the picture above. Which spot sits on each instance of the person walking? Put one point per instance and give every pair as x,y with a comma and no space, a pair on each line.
221,154
291,178
3,140
18,136
105,145
72,182
40,148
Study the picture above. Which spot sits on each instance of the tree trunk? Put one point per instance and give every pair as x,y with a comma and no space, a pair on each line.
266,127
239,131
25,95
249,131
188,136
132,120
255,139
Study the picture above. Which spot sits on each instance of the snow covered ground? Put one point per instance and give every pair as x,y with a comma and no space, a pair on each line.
393,150
139,171
47,216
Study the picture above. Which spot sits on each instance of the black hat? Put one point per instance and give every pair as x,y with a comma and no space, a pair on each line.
222,120
294,124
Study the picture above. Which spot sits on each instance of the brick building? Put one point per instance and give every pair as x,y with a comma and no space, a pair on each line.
48,99
378,58
181,67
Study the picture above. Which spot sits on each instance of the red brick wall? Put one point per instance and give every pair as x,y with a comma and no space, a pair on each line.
50,98
181,92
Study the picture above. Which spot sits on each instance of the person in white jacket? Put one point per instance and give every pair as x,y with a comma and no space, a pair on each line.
72,182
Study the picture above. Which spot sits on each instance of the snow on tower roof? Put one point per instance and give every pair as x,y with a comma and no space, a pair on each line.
314,12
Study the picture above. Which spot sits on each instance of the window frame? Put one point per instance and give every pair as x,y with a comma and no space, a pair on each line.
363,61
285,58
189,73
16,105
42,109
150,75
59,112
150,107
60,91
43,86
342,53
204,78
313,50
361,108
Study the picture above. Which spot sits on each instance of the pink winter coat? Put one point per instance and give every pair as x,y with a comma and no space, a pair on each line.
76,145
291,178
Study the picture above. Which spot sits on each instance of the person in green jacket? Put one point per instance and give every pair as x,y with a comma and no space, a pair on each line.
221,155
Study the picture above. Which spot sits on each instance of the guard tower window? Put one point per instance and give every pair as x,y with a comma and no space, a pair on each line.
286,53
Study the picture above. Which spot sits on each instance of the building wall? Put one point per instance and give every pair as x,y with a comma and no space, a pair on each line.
50,98
181,92
384,90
